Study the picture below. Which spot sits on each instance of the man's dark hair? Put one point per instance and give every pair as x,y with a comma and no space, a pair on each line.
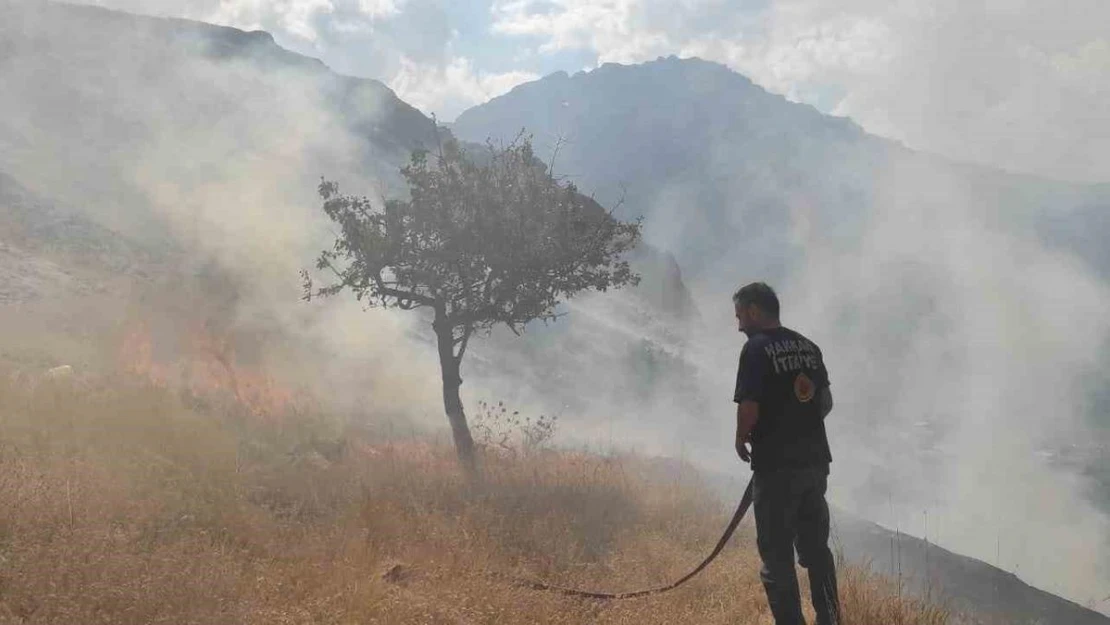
761,295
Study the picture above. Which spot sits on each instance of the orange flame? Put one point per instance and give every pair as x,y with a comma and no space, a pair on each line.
205,366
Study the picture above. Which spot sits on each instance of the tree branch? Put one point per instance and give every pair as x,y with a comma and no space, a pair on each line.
463,341
404,298
422,300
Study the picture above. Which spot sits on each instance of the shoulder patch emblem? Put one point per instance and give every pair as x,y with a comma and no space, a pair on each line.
804,389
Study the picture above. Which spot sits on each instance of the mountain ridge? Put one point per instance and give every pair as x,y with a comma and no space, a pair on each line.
702,117
832,121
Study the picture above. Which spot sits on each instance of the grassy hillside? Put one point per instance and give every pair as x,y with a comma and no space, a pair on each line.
122,501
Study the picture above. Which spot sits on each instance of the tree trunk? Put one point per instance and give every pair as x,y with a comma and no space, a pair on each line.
452,404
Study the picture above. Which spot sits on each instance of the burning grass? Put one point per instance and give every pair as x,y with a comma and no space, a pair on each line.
121,504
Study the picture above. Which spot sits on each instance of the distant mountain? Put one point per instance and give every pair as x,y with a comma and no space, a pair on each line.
718,165
709,158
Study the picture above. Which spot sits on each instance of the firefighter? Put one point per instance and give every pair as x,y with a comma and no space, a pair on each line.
782,396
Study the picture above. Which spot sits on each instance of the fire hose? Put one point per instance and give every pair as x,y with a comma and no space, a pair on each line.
741,510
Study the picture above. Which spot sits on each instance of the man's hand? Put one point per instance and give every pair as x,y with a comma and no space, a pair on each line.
747,414
742,449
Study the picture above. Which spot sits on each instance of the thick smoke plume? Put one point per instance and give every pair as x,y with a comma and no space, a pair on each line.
206,145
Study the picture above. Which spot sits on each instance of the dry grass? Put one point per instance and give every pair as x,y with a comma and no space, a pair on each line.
120,505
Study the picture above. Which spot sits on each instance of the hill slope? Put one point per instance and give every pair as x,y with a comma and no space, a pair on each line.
122,504
966,584
106,111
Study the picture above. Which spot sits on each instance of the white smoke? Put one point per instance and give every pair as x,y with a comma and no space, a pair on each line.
957,350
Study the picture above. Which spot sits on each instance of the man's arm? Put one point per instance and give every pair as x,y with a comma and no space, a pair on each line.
821,377
747,415
751,376
825,397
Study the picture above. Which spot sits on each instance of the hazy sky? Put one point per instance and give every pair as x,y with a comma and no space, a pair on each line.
1020,84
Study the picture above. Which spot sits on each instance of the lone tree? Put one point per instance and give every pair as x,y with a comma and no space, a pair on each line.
479,242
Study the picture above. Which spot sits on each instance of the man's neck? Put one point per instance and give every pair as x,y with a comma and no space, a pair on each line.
763,328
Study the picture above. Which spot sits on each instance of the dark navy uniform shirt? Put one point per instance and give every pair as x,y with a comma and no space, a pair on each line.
784,373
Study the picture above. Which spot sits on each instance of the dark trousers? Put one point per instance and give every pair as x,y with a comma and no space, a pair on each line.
791,511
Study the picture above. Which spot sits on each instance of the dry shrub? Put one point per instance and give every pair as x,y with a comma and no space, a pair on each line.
119,504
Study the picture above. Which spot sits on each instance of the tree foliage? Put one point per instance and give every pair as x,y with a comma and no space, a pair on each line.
501,241
480,241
